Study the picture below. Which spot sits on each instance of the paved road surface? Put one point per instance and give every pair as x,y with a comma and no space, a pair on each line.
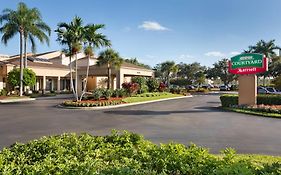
196,120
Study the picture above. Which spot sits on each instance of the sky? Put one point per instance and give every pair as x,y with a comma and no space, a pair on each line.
154,31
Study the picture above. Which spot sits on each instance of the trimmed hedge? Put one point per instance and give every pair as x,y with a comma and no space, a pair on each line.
269,99
228,100
123,154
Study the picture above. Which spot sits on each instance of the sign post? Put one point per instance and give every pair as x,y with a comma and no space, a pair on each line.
247,66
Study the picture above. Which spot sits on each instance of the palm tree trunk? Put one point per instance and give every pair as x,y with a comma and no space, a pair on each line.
71,78
108,76
25,58
21,63
25,52
76,77
86,81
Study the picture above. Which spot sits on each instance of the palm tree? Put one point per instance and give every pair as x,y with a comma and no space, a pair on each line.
93,40
267,49
168,68
35,28
112,59
72,36
15,22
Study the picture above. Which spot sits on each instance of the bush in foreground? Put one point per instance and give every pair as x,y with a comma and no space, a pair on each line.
122,154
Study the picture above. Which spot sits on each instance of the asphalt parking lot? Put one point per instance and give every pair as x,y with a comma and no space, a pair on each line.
197,119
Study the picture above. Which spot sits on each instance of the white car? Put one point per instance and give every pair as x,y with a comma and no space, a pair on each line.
272,90
267,90
224,88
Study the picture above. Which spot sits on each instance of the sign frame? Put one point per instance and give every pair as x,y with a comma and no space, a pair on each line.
259,64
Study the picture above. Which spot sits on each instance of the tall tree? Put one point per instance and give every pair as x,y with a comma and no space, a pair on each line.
72,35
220,70
111,59
93,40
35,28
188,71
136,62
168,68
267,49
15,21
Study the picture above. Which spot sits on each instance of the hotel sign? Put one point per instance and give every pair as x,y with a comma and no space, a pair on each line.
250,63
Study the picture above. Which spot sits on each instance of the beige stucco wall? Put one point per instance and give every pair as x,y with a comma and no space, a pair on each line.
136,72
44,71
247,89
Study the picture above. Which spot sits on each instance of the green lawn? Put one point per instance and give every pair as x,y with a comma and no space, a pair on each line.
149,97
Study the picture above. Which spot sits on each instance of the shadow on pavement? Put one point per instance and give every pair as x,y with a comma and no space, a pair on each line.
148,112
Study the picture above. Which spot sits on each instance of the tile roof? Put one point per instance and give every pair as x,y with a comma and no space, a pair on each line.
16,62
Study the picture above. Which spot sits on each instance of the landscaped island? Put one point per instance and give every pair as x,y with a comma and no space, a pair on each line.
126,154
267,105
139,90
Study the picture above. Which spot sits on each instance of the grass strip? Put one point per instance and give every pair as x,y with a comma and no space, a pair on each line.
151,98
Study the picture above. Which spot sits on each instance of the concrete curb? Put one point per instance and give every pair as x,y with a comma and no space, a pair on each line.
17,100
121,105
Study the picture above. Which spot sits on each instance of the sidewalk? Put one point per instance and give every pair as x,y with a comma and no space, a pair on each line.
16,100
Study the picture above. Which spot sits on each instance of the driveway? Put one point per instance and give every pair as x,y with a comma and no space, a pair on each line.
197,120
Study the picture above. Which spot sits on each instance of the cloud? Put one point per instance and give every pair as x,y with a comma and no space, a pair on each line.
234,53
215,54
153,26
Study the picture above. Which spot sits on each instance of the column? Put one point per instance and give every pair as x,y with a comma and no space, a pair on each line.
37,85
119,79
52,84
58,85
44,85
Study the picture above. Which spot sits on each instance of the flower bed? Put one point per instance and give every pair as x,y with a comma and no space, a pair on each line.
276,109
93,103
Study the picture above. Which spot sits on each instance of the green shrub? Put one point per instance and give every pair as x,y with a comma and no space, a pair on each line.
202,90
152,85
119,154
97,94
269,99
3,92
141,81
29,77
119,93
107,93
228,100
